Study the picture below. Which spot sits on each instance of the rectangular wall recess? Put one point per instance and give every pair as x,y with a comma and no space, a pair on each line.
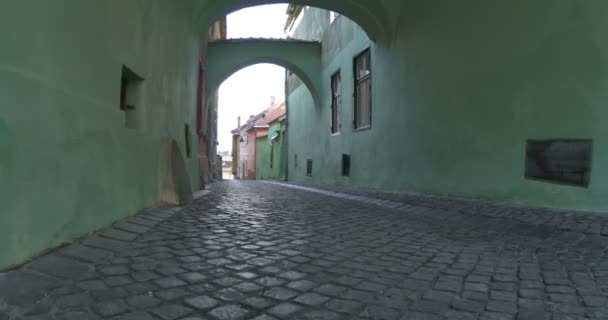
130,84
346,165
560,161
309,167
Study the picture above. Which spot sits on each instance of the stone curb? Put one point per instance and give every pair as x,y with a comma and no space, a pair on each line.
582,222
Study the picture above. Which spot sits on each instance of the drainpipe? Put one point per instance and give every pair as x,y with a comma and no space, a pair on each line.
286,125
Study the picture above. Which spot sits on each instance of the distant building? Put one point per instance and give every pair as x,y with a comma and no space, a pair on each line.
245,140
270,151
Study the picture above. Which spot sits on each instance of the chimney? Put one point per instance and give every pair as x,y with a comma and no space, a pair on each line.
273,100
239,122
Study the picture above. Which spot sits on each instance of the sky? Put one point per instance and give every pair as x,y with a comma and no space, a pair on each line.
248,91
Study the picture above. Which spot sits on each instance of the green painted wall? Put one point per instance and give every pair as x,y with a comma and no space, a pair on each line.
264,152
68,165
459,86
262,158
278,129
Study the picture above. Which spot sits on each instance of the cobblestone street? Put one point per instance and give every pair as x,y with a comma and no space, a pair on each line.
255,250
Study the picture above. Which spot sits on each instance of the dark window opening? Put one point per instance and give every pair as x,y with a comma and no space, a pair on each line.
272,156
309,167
560,161
363,90
187,141
345,165
336,102
129,87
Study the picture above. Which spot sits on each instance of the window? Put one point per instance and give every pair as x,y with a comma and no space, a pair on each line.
345,165
129,85
559,161
272,155
336,102
295,160
363,91
309,167
187,141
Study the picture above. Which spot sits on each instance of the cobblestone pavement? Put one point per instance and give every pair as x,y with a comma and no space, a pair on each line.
254,250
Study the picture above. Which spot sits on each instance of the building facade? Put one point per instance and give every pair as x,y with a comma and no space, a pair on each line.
431,114
270,149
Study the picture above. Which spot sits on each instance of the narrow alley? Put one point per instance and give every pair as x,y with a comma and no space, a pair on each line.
259,250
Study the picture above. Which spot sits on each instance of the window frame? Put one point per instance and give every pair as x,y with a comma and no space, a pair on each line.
357,82
336,103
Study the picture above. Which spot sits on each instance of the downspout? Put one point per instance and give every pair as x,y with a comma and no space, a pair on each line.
286,125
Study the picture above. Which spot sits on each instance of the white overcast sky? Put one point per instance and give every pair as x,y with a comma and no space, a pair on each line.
248,91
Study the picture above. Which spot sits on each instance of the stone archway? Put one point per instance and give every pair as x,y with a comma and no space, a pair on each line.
301,57
370,15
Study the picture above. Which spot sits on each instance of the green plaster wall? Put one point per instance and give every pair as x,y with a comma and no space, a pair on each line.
459,86
264,153
262,159
68,165
279,169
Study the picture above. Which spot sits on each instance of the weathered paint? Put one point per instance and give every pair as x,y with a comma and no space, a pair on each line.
68,165
457,90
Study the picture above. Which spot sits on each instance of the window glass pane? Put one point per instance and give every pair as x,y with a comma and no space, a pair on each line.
364,103
336,84
363,65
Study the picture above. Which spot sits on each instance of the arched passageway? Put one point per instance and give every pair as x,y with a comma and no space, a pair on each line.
229,56
370,15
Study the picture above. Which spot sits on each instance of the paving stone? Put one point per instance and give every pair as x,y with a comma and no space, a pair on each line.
468,305
331,290
264,317
111,308
170,282
58,266
248,247
117,234
270,281
113,270
280,293
117,281
172,311
83,253
76,314
229,294
258,303
284,310
502,307
138,315
172,294
109,294
92,285
143,276
230,312
73,300
343,306
202,302
143,301
311,299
